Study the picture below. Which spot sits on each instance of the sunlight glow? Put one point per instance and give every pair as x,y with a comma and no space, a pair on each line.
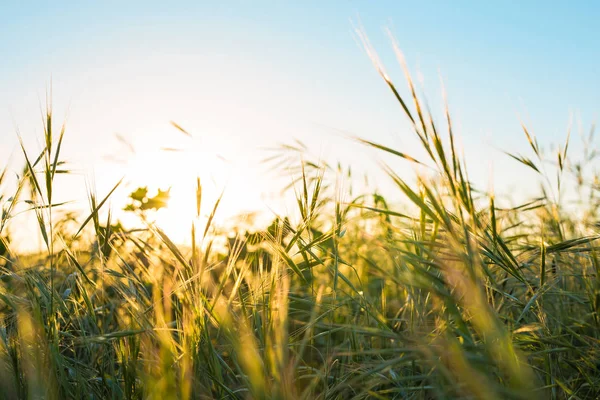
178,166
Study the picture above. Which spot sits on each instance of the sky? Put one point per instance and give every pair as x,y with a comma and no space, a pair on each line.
245,76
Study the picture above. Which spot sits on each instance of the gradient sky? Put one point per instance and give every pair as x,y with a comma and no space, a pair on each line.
244,75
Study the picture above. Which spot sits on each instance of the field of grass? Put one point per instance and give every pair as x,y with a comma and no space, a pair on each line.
448,296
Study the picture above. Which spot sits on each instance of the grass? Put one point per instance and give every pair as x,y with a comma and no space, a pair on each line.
448,296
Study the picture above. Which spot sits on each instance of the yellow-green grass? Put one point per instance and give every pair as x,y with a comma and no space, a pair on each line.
446,297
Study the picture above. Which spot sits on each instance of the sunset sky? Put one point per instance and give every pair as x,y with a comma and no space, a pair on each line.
241,76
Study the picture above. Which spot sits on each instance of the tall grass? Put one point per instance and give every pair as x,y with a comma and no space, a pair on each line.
448,296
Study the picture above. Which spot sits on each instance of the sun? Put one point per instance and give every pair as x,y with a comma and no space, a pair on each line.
179,164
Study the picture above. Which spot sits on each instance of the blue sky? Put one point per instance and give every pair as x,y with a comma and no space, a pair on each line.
243,75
